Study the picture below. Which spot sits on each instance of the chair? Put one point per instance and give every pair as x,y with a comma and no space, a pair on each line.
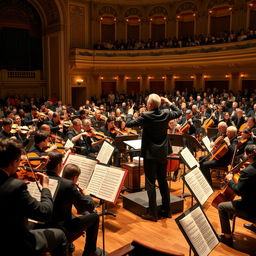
139,248
250,219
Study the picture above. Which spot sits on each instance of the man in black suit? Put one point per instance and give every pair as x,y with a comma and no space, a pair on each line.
246,189
67,196
17,205
154,150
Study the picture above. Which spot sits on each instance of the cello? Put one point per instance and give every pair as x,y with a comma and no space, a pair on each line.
227,194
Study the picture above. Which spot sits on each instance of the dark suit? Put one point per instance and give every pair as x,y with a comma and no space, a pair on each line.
246,205
16,206
238,122
67,196
205,166
154,149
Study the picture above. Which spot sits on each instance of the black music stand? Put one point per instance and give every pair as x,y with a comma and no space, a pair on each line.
179,140
192,143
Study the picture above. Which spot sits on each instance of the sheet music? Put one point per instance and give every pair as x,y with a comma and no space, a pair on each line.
199,185
85,164
189,158
199,231
69,144
105,153
135,144
105,182
207,143
34,191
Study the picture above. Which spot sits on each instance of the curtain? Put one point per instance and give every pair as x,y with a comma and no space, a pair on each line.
186,29
217,84
108,33
157,31
133,32
220,25
252,19
133,87
157,87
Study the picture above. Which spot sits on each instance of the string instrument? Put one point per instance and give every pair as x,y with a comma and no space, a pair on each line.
24,173
22,129
173,163
242,127
208,122
219,151
40,115
185,127
227,194
98,135
130,131
32,159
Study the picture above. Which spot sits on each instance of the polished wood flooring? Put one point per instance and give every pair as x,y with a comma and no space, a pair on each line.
127,226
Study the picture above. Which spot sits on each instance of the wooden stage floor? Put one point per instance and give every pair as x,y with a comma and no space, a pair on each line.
165,233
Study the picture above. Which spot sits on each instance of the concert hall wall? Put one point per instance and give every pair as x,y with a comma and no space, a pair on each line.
62,56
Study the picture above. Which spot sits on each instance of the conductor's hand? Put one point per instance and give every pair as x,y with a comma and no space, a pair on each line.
166,101
43,179
131,110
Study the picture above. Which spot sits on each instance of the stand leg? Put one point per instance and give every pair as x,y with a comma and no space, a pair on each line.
184,195
103,228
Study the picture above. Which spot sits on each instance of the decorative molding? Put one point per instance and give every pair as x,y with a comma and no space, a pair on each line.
158,10
108,10
133,12
214,3
187,6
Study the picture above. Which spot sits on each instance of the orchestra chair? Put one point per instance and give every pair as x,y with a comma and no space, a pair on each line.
249,219
139,248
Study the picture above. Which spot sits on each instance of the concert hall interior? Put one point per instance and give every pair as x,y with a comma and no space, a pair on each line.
128,124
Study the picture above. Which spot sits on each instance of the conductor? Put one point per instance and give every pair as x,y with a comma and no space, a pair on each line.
154,150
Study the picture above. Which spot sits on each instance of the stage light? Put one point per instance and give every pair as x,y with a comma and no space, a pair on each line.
79,81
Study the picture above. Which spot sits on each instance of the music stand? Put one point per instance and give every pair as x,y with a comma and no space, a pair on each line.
192,143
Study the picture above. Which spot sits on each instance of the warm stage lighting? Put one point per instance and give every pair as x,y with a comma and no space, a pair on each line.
79,81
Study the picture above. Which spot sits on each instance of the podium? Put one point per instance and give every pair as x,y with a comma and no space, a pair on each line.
132,180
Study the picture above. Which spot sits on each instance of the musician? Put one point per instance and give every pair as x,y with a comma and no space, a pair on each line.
219,114
41,144
55,124
225,160
67,196
6,129
252,112
251,123
246,189
154,150
222,130
98,120
32,118
232,110
17,205
187,119
80,139
238,119
227,119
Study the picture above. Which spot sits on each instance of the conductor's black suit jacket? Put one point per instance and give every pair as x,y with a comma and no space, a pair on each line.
16,206
155,143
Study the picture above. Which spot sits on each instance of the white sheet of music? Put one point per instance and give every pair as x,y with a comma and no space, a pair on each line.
69,144
105,182
189,158
85,164
105,153
34,191
199,185
135,144
207,143
199,231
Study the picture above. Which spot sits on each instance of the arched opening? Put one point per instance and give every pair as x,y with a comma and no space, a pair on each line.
20,36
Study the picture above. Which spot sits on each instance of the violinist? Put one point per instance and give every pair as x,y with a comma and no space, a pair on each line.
32,118
6,129
41,144
55,124
227,119
245,206
98,120
225,160
80,139
68,196
219,114
17,205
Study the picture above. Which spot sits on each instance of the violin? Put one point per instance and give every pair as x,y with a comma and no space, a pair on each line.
24,173
22,129
31,158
